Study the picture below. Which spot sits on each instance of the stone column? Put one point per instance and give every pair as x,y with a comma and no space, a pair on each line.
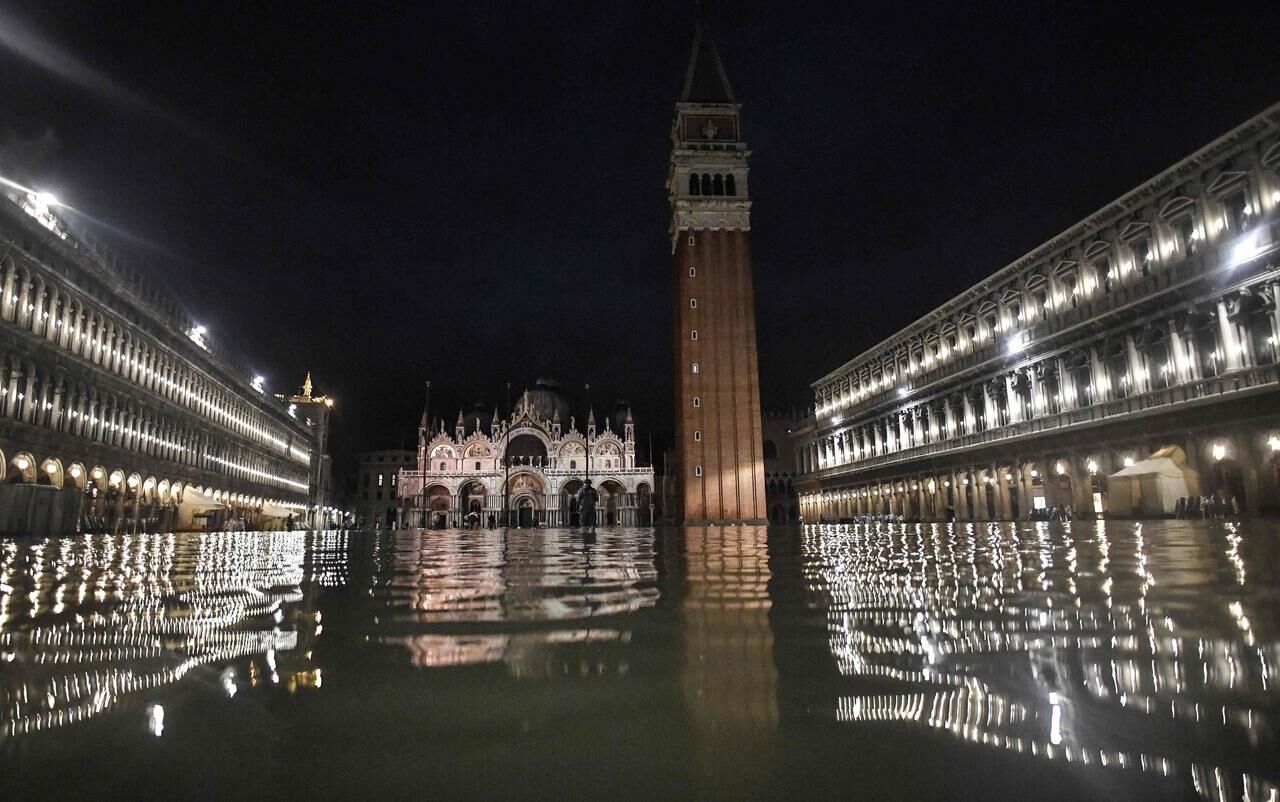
1101,382
1138,374
1229,346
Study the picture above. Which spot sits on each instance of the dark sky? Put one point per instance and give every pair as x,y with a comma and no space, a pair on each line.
386,193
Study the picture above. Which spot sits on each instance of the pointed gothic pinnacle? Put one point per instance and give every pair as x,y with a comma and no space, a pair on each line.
460,420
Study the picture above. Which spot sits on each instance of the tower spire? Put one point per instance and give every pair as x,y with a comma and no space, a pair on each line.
705,81
306,385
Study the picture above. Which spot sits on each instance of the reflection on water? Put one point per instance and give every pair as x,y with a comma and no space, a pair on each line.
88,622
484,596
727,668
1128,646
1070,660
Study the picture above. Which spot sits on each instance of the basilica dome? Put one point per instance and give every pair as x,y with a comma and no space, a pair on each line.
546,399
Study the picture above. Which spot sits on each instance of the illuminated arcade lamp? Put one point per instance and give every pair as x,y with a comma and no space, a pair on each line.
1060,468
75,471
22,463
1128,462
1219,451
1092,466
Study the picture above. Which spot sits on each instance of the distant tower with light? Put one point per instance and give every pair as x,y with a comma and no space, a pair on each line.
719,439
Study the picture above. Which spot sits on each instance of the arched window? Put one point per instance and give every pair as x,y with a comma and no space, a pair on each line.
717,185
697,436
770,450
442,466
706,183
697,402
694,334
573,464
695,368
730,185
693,271
693,184
693,303
697,470
477,466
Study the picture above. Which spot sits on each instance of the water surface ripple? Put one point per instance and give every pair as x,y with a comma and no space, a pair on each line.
1115,660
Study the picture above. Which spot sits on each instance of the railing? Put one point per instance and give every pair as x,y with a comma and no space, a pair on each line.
1212,387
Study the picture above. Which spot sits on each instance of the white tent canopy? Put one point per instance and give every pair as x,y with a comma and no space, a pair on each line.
1153,485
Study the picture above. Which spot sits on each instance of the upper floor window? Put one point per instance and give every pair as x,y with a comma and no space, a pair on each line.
693,303
730,185
694,188
694,334
697,402
695,368
477,466
693,271
442,466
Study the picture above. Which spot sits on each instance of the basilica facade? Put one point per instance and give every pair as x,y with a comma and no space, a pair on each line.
526,470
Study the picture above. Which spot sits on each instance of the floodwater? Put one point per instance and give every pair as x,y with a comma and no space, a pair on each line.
1013,661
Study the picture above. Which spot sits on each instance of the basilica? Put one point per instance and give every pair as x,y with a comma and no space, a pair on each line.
527,470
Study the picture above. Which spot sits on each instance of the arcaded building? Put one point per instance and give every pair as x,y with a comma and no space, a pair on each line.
118,410
526,470
719,464
1127,366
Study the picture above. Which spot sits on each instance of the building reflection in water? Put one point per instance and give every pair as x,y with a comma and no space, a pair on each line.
517,598
1089,644
728,673
88,622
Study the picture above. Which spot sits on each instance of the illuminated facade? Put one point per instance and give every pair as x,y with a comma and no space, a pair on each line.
119,410
1127,366
527,469
718,424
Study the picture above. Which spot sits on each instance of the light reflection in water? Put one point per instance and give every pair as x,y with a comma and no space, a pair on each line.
88,622
1117,645
728,672
454,598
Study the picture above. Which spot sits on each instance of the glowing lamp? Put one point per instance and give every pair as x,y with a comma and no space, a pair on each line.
1219,451
22,463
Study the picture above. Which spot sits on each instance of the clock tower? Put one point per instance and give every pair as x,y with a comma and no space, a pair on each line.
718,427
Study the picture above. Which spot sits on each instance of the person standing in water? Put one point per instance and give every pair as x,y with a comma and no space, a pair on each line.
587,505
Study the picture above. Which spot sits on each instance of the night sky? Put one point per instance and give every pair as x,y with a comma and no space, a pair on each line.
473,193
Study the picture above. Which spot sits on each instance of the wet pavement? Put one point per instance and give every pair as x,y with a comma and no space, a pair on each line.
1012,661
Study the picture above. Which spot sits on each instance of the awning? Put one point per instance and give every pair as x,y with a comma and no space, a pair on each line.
199,501
272,511
1157,466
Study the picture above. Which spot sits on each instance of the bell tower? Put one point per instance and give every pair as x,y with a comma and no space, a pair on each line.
718,428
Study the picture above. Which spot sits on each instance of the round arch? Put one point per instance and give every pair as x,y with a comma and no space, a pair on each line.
78,475
22,468
51,472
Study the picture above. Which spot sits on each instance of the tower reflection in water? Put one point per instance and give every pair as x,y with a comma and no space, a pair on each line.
488,596
88,622
1126,646
728,672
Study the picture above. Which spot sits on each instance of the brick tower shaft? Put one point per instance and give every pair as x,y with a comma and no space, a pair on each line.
719,437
